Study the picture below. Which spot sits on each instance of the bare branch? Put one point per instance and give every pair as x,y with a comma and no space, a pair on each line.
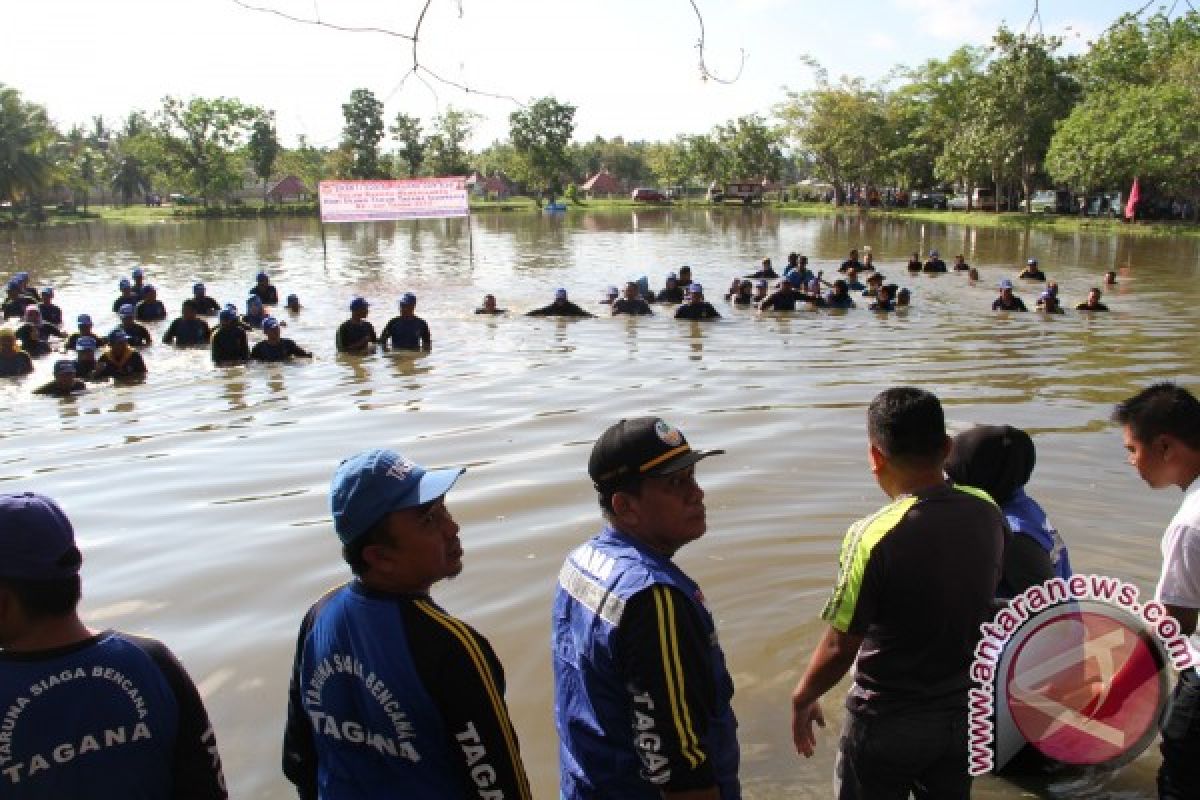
705,73
319,23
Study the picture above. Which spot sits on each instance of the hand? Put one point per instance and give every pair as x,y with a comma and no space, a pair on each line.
803,734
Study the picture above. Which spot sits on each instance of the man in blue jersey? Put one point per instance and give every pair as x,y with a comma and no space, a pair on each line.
86,714
915,581
390,695
641,691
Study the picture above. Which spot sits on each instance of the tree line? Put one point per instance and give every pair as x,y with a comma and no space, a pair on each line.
1014,115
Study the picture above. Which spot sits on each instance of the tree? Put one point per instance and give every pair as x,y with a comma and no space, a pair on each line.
837,127
129,179
361,135
750,147
263,148
671,161
541,134
406,132
446,149
25,138
1028,89
306,162
200,139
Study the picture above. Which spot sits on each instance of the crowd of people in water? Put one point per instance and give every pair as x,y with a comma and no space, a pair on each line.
92,355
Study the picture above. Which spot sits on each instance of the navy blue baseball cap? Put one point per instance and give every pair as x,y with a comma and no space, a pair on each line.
371,484
37,541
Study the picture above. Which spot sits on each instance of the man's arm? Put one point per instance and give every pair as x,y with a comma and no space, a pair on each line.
195,763
834,655
666,656
299,750
463,676
426,336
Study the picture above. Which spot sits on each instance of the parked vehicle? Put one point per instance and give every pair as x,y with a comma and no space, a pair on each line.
936,200
644,195
1105,204
1052,201
957,203
746,191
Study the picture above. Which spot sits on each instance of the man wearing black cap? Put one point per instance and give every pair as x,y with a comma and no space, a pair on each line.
642,694
86,714
390,695
915,582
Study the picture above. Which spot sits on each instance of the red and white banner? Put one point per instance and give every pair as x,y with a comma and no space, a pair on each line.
363,201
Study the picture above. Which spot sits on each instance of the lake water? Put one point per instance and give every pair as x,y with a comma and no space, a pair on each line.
200,497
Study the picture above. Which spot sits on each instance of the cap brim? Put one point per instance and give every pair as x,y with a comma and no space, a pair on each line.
434,483
683,462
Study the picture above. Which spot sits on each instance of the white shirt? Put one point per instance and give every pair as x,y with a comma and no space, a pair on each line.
1179,584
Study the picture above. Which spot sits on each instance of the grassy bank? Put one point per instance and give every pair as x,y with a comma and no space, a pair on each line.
139,214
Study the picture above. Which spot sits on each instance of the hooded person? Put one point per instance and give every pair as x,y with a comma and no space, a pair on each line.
999,459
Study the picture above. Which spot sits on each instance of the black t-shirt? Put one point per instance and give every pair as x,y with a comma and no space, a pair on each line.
1016,304
229,344
206,305
185,332
354,335
282,350
849,262
1086,307
636,307
917,579
1032,274
670,295
129,366
563,309
782,301
406,333
150,311
703,310
15,364
934,265
54,390
914,265
138,335
268,294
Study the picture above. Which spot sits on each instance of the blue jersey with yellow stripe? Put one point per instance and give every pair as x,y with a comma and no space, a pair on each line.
616,740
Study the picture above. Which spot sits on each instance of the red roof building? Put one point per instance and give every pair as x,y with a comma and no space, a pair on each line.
602,183
289,190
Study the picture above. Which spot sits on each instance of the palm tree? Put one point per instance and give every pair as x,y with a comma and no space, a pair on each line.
25,134
129,179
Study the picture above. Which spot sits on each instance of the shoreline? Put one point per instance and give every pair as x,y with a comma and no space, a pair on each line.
1011,220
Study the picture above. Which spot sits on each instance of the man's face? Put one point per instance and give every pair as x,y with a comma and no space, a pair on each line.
696,298
489,303
1093,297
8,345
854,255
631,292
670,509
273,335
64,378
189,312
424,547
1148,459
1006,294
851,275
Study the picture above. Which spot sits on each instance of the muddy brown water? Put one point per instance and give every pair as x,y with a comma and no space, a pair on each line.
200,496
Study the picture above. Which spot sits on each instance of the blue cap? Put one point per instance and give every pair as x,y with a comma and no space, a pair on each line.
409,299
85,343
37,541
149,287
48,291
374,483
117,336
696,288
64,365
262,276
1032,262
227,315
1006,284
125,284
21,276
138,272
270,323
197,287
560,294
292,297
359,302
84,319
125,310
671,276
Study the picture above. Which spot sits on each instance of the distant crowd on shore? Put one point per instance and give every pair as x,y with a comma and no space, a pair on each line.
96,356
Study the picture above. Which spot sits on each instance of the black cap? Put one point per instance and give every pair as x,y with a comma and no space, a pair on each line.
633,448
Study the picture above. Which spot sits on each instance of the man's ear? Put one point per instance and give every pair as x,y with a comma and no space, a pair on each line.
625,506
876,458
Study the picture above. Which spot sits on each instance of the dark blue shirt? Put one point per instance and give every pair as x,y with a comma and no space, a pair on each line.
406,333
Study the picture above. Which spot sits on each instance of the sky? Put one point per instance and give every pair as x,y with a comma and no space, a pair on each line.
631,67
